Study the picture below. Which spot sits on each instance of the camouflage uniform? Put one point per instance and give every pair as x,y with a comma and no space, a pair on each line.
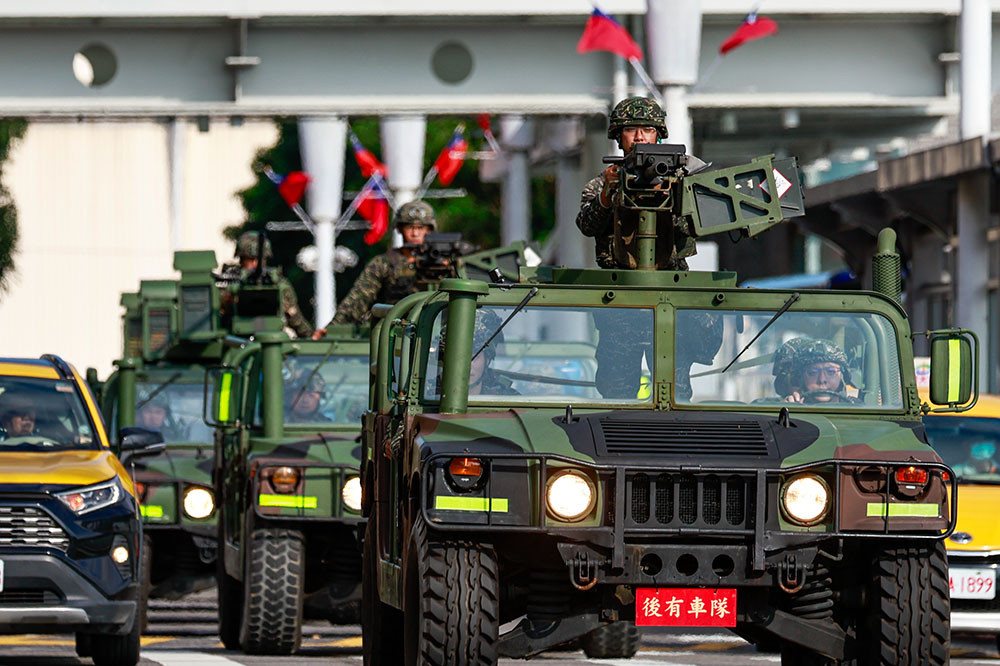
293,392
601,223
795,356
247,247
389,277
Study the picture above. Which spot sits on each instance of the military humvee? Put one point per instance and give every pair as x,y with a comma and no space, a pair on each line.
668,466
287,415
171,332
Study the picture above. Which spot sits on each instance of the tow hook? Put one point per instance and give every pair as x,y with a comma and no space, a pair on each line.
791,575
582,571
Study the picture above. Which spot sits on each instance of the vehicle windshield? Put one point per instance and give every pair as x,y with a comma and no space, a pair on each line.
43,415
816,359
969,445
556,354
172,408
323,391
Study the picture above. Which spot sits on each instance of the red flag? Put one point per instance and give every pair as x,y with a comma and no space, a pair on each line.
483,119
452,156
603,33
374,208
366,160
753,27
291,186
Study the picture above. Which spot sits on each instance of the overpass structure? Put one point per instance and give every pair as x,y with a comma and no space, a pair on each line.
842,84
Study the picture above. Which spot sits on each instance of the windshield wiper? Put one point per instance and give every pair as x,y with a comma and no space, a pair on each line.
158,390
520,306
784,308
312,374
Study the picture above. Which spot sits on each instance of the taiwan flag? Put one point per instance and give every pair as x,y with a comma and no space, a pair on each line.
452,156
374,208
603,33
753,27
291,186
366,160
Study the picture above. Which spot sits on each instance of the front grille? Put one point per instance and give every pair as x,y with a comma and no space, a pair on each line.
687,500
976,605
30,598
159,330
703,438
196,309
30,527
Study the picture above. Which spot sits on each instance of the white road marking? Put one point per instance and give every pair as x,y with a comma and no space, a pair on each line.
186,658
721,637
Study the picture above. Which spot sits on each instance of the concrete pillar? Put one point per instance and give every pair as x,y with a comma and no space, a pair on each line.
593,150
322,144
403,151
975,37
516,138
619,81
564,137
673,46
175,156
678,116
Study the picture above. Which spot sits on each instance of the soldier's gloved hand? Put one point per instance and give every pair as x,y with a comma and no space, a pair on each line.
610,183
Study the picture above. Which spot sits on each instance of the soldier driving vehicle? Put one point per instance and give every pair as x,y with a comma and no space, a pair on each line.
70,546
694,495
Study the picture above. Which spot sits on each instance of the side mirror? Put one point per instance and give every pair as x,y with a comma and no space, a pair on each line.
954,369
222,388
137,442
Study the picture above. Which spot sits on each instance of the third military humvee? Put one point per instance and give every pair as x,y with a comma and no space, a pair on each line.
659,470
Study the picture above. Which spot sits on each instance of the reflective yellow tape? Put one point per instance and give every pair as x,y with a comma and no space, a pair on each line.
151,511
470,504
224,391
287,501
923,510
954,369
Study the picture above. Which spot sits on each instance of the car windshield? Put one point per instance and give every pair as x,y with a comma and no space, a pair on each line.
814,359
172,408
43,415
325,390
556,354
969,445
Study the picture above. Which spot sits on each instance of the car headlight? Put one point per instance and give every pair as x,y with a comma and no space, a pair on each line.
570,495
351,494
198,503
806,499
92,498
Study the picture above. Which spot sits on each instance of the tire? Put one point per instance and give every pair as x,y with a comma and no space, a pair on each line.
909,607
618,640
378,620
273,584
145,572
116,650
451,610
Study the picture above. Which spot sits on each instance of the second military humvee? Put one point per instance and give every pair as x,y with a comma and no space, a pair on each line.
660,471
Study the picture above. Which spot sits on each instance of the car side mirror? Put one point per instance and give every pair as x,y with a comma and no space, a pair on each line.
954,369
138,442
222,388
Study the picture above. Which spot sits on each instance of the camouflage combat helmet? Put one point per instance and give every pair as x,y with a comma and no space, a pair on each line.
415,212
487,322
306,382
246,246
793,357
157,400
636,112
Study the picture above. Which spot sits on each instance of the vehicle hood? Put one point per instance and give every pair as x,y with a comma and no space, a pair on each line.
183,462
977,518
341,448
70,468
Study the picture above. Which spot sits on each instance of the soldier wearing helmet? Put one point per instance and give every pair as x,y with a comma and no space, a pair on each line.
389,277
303,397
154,413
634,120
482,378
812,371
248,248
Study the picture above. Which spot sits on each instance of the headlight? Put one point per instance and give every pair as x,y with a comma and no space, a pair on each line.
198,503
351,494
92,498
806,499
570,495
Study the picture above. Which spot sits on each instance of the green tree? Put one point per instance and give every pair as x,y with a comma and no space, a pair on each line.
10,130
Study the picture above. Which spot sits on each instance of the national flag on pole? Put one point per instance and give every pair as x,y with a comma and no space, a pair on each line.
366,160
291,186
603,33
374,208
452,156
753,27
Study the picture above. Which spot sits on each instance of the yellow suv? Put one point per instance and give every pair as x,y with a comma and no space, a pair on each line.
69,521
969,442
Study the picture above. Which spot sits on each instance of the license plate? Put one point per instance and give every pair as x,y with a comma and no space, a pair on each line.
972,583
685,607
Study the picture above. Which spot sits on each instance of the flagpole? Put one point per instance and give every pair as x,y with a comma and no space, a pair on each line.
647,81
703,79
428,180
306,220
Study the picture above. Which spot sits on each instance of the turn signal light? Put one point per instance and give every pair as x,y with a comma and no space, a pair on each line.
913,475
285,479
465,472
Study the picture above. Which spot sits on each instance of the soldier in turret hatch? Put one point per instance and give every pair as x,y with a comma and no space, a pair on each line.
389,277
634,120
